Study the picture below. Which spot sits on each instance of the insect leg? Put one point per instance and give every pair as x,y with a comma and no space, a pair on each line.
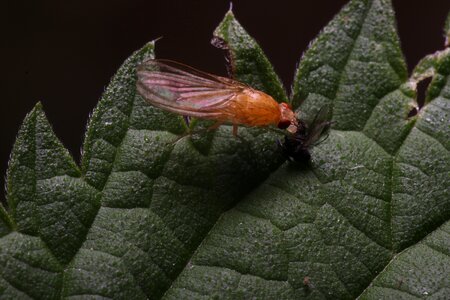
235,130
187,120
214,126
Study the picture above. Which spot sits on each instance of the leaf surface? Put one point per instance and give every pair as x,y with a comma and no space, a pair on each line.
154,212
328,231
145,198
420,271
46,195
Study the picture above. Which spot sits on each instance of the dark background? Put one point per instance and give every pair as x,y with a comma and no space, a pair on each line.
63,53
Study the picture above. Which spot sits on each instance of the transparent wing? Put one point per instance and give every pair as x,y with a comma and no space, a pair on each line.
319,125
185,90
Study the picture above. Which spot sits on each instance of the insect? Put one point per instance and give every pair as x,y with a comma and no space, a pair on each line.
296,146
192,93
186,91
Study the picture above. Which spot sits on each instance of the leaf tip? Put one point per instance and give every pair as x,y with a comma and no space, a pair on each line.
37,113
149,46
38,107
227,19
222,30
30,118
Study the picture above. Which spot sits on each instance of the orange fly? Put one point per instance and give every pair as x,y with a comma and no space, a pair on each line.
186,91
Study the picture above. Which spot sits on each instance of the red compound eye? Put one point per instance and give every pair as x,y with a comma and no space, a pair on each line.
287,105
284,124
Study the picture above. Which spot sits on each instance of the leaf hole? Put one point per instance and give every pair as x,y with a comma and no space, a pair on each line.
413,112
422,87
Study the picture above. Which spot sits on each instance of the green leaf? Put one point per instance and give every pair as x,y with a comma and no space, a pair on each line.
420,271
248,62
133,216
422,165
437,67
155,213
28,268
352,64
46,196
379,183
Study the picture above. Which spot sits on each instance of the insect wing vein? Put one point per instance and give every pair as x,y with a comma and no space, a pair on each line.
184,90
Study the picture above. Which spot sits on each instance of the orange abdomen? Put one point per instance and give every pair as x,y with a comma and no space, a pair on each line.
253,108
